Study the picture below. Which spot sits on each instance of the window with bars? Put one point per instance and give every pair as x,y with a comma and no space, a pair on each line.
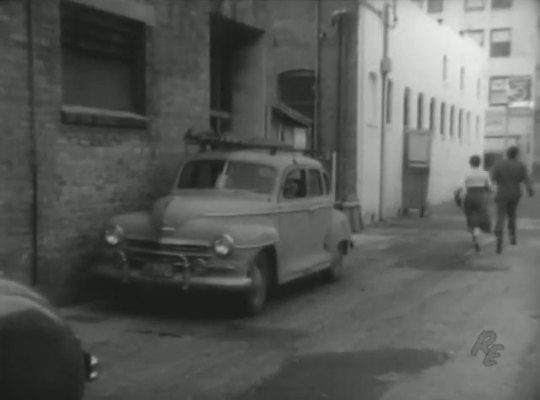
103,60
435,6
500,42
499,4
478,35
471,5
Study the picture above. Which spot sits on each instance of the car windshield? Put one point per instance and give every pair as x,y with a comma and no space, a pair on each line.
227,175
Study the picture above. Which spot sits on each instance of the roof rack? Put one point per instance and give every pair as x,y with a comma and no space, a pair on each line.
210,140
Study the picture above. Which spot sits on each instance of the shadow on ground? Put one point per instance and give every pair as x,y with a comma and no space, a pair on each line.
362,375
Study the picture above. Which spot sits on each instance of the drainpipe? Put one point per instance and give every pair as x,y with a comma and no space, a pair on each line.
385,70
316,140
33,140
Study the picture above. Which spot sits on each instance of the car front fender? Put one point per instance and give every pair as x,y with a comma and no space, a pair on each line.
339,230
247,233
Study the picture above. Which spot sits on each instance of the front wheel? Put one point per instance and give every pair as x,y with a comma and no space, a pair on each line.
255,299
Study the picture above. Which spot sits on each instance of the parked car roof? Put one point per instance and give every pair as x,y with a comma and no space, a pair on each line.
279,159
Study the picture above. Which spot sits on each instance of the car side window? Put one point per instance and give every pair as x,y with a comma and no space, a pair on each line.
295,185
315,183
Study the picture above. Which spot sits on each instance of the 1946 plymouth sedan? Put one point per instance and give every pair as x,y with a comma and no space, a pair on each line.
239,217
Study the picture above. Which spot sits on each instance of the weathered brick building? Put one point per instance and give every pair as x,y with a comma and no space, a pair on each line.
96,95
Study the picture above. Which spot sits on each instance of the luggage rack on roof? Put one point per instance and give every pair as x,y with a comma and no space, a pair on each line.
210,140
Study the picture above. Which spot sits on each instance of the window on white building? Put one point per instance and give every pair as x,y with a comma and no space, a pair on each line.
462,78
420,111
435,6
445,68
498,90
498,4
477,128
460,124
103,60
468,134
406,111
500,42
452,121
432,111
389,101
471,5
374,102
442,127
478,88
478,35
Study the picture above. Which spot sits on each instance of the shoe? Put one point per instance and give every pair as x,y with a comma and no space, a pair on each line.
477,247
499,246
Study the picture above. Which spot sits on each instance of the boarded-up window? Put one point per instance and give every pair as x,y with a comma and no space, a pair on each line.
500,43
103,59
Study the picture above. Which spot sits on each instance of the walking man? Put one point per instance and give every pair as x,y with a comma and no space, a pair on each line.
509,175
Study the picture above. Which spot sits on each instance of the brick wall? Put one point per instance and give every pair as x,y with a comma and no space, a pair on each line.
88,173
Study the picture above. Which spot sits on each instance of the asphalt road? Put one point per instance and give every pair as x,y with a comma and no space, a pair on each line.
401,326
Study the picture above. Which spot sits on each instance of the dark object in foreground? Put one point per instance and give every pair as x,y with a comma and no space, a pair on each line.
40,356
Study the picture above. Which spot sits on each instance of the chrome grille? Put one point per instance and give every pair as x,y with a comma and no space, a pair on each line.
153,246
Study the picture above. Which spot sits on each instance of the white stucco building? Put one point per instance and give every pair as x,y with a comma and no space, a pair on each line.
437,81
507,30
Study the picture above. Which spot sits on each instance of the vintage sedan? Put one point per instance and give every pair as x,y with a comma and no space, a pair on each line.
40,356
241,218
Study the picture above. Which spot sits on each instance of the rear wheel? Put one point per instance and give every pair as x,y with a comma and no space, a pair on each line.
335,271
255,299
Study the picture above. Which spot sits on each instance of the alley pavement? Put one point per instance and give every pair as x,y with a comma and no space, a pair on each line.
418,316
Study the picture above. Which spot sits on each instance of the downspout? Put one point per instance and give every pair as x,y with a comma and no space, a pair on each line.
339,110
33,141
315,145
385,70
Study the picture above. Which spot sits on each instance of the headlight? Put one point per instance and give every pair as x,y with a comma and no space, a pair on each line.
113,235
223,245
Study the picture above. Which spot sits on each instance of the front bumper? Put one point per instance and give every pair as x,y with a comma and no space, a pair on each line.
185,275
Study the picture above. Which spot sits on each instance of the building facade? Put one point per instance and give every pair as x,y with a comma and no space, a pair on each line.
436,81
507,30
95,97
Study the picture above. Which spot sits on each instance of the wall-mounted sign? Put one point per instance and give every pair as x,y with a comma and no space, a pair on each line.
520,91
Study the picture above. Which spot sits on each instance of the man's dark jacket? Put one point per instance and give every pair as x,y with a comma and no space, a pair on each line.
509,174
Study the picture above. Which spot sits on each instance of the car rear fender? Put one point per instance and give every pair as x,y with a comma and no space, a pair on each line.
339,231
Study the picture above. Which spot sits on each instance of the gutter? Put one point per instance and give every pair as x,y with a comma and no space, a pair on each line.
34,212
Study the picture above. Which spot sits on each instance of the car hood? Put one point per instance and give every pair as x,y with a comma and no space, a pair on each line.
175,211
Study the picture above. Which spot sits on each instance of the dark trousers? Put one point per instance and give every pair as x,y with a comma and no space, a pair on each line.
506,208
